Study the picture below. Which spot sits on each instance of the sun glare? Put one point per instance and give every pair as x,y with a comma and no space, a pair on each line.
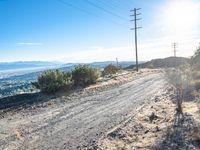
182,15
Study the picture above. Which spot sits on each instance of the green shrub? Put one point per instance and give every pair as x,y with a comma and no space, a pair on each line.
84,75
53,80
110,69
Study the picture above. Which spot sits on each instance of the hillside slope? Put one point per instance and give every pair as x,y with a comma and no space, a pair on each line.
76,121
163,63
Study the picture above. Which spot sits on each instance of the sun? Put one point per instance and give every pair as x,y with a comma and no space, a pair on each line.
182,15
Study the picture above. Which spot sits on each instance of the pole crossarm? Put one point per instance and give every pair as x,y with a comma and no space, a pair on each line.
132,10
136,28
137,19
132,15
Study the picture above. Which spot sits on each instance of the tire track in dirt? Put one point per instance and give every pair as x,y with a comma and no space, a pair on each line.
81,122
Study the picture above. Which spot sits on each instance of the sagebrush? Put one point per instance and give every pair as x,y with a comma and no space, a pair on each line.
84,75
110,69
51,81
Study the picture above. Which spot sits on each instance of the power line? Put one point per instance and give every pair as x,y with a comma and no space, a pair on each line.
105,10
115,3
119,3
89,13
135,15
78,8
130,2
109,4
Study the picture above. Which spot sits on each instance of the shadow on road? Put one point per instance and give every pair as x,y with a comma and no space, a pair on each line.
32,99
23,100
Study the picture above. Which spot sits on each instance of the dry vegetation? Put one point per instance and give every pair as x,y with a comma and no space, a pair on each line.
52,81
143,130
157,126
171,122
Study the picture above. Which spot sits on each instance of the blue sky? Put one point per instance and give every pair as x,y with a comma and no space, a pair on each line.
91,30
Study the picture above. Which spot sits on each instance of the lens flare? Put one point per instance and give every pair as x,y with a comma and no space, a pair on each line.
182,15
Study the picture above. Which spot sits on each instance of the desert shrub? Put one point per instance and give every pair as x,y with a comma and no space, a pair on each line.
196,84
181,76
53,80
110,69
174,77
195,60
197,96
84,75
196,75
150,66
181,79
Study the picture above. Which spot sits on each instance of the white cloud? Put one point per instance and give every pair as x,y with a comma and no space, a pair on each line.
29,44
147,50
100,54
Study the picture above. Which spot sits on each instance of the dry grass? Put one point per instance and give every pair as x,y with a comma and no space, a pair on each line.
143,130
157,127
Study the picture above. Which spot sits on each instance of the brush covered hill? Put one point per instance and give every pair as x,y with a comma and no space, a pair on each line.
163,63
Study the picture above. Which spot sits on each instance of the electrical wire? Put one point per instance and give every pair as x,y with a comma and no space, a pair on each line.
109,4
107,11
89,13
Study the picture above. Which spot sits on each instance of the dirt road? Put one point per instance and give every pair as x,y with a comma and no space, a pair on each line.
78,123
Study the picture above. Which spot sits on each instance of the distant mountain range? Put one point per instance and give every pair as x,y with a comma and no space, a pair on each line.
155,63
37,64
25,64
103,64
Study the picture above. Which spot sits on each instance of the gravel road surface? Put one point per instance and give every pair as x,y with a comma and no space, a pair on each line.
80,122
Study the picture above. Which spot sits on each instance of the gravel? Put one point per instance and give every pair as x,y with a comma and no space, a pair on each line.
79,122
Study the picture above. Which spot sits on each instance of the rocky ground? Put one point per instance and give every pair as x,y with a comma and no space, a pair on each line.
157,127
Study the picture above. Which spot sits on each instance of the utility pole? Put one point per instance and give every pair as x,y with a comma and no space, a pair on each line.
135,15
174,45
117,62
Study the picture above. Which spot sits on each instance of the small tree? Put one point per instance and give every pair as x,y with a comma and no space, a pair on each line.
53,80
84,75
181,79
110,69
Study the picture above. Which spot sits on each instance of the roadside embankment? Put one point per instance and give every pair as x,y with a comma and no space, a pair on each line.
157,126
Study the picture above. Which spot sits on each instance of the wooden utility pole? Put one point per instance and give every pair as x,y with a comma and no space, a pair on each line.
135,29
117,62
